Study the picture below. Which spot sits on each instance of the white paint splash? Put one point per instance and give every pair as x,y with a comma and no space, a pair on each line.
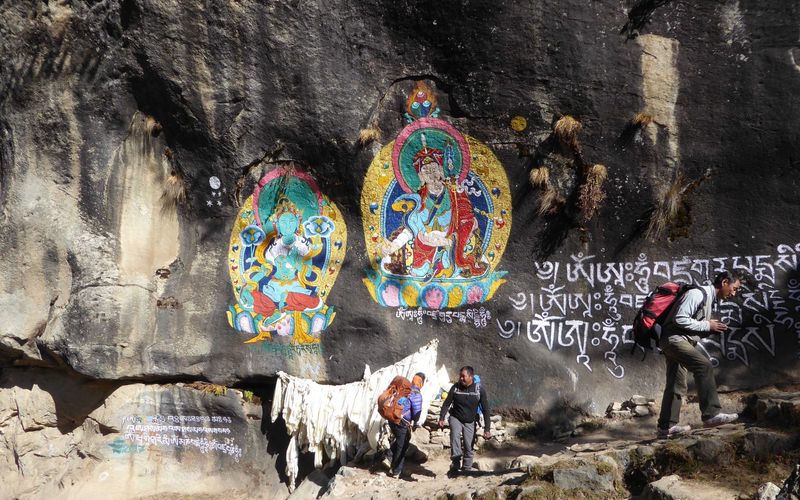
574,378
732,24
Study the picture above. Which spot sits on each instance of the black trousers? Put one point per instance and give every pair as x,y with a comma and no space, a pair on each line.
399,447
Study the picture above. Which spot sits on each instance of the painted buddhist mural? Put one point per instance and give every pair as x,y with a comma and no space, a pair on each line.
286,249
437,214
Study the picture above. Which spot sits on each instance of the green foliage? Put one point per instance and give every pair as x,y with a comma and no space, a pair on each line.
251,398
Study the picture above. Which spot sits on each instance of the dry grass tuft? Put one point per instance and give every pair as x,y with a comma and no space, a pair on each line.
667,209
592,194
566,129
642,120
368,135
598,173
208,388
173,193
672,213
539,177
551,201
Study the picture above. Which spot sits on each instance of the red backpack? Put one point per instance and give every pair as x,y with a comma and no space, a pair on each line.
656,308
389,405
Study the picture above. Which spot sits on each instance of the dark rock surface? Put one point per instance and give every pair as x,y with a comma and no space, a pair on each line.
764,443
774,408
791,487
93,93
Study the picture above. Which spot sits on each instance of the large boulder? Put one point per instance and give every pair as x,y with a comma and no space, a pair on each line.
674,488
767,491
775,408
763,443
315,484
65,436
712,450
587,475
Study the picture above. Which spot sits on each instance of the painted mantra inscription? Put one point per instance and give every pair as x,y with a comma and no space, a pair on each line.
589,306
174,431
478,317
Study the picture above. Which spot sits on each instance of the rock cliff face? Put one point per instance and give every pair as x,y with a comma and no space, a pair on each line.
133,131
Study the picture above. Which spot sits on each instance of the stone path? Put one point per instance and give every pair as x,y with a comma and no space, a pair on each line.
601,466
618,459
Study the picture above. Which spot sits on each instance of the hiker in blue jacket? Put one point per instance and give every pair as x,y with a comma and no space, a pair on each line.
412,410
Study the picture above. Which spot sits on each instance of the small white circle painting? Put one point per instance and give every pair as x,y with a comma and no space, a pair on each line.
214,182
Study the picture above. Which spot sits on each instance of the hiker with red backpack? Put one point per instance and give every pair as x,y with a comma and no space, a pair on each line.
683,324
401,405
463,401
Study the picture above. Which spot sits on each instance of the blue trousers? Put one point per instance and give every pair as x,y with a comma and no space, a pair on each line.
399,447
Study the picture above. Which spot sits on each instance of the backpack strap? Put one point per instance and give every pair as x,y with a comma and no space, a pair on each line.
705,299
702,304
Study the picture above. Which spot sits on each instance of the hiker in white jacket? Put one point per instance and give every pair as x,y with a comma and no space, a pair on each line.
688,321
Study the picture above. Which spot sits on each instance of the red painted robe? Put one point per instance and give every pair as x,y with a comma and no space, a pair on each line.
294,302
462,223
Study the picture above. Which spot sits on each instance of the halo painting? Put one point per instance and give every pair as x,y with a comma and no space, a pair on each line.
437,214
286,248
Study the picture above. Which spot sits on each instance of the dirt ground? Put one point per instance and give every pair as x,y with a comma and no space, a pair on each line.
429,479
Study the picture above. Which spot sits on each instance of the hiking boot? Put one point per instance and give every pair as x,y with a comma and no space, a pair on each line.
469,470
721,419
453,471
406,476
675,430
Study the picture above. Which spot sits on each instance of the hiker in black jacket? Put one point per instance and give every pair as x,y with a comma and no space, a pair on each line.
463,401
